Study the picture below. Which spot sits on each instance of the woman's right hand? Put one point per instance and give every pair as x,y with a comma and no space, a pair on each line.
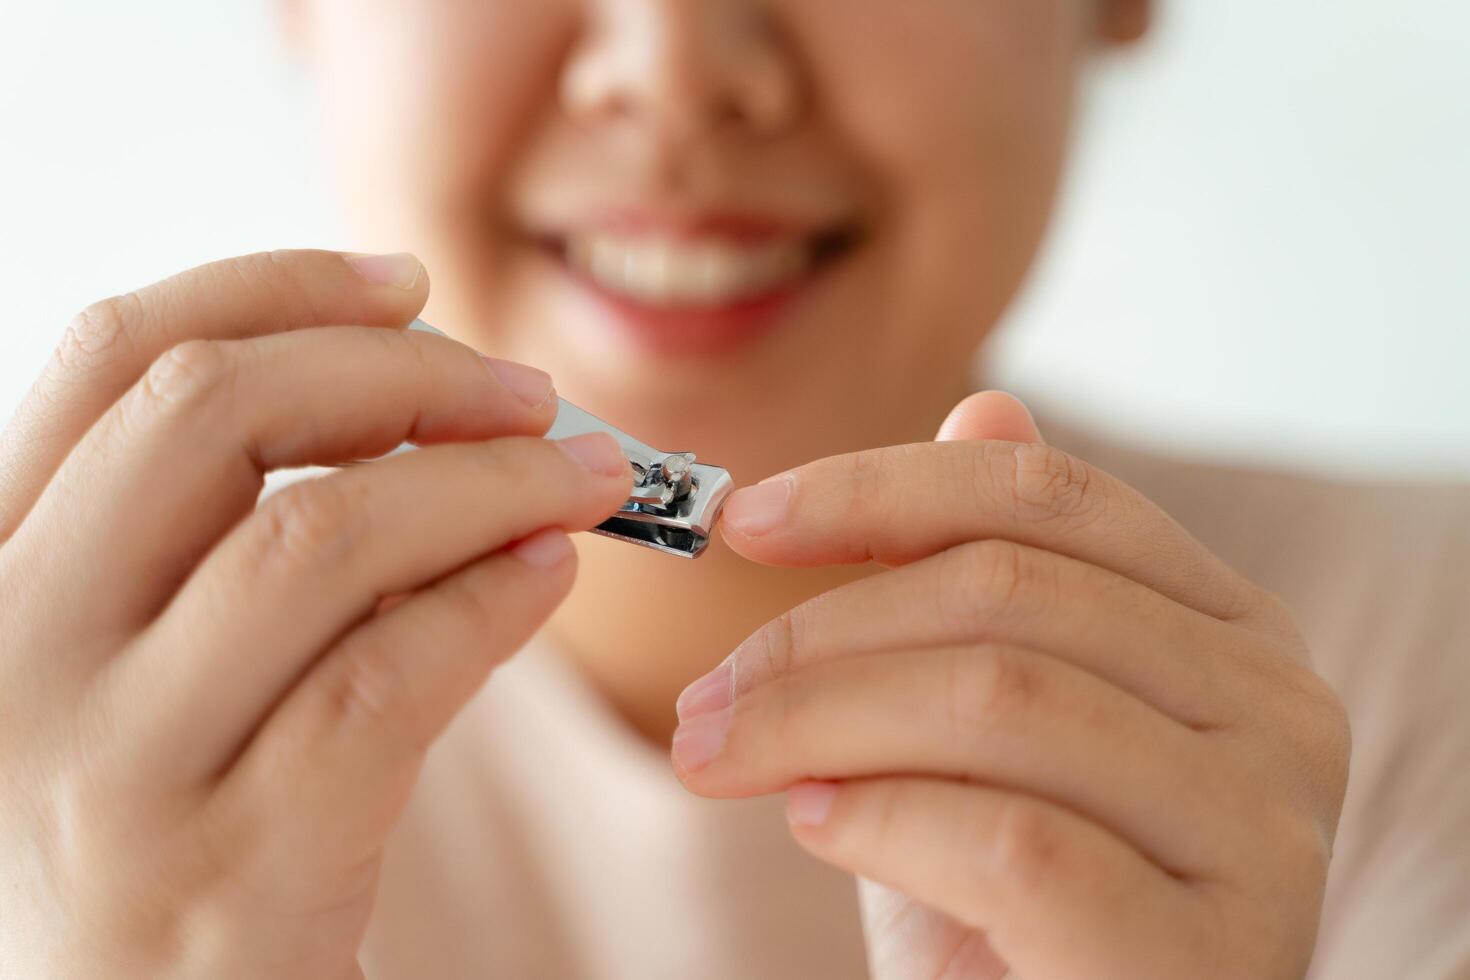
209,721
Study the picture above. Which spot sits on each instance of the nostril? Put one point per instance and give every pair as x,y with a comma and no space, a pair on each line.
685,68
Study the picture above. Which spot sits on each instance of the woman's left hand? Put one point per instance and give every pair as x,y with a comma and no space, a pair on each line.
1066,737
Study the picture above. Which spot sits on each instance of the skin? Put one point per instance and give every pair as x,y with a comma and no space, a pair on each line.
988,728
1049,729
523,112
200,756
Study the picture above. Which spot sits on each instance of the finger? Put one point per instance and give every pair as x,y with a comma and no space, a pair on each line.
315,560
342,749
990,415
1021,870
897,505
1186,664
996,715
182,457
109,346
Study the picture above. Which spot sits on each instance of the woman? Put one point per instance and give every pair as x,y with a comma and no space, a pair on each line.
1054,732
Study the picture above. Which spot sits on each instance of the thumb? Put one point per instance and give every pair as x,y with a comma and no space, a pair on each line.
990,415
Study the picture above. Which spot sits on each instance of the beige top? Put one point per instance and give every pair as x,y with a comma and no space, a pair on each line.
545,840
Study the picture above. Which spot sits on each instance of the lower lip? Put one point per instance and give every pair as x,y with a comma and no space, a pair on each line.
703,331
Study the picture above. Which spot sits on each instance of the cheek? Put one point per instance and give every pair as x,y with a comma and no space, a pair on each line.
421,102
961,107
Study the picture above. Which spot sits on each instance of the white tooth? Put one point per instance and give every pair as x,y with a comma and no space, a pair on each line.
658,268
716,272
645,270
632,278
606,261
682,271
669,272
627,276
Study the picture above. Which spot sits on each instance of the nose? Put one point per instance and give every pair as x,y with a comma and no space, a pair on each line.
684,68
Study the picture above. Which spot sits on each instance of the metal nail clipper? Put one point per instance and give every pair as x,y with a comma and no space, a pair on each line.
675,500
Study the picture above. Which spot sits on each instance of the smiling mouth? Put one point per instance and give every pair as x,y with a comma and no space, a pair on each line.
700,271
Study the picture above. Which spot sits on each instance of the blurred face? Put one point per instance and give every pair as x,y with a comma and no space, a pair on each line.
762,231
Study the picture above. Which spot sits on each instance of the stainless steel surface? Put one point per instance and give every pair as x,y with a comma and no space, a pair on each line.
675,501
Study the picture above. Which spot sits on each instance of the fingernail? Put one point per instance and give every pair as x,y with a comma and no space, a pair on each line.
598,452
530,385
699,740
399,269
807,804
545,549
758,509
711,692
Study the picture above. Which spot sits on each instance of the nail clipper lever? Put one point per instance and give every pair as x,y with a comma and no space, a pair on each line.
675,501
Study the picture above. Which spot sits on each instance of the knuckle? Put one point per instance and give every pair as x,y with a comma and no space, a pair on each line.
180,383
1028,846
1304,693
1303,852
1050,485
186,375
276,270
367,693
311,524
520,461
1270,610
872,499
278,280
869,466
466,607
1328,735
1339,737
870,473
884,802
421,350
987,580
99,334
777,644
989,686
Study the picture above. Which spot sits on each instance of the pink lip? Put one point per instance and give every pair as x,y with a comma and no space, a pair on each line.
703,331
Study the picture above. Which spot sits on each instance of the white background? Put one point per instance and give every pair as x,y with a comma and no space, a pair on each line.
1264,250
